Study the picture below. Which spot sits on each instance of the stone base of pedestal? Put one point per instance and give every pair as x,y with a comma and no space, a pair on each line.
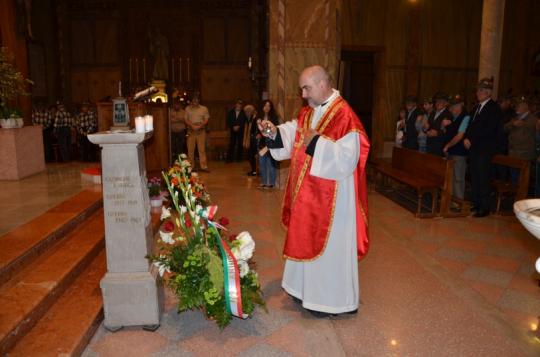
131,299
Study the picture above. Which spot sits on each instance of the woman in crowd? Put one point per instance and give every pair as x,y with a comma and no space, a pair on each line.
268,165
251,138
400,126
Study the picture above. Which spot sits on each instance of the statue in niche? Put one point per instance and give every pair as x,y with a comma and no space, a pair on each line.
159,49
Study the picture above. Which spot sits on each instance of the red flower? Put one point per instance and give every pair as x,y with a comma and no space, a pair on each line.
188,220
168,226
232,237
174,181
224,221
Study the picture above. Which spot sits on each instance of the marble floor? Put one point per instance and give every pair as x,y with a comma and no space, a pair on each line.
23,200
430,287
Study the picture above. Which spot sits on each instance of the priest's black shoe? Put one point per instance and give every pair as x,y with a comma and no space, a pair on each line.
481,213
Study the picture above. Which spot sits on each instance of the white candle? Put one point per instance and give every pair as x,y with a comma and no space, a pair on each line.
140,124
149,122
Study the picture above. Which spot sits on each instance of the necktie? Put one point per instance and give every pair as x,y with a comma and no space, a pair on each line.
477,111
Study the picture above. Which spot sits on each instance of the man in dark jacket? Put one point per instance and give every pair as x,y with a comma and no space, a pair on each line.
480,139
436,133
236,119
410,139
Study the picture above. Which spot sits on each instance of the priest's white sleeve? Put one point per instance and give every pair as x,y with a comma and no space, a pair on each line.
287,131
336,160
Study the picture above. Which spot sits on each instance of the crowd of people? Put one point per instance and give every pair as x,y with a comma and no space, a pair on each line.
444,126
189,126
62,128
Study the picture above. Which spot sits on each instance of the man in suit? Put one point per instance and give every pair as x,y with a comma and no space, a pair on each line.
436,133
236,120
410,140
480,139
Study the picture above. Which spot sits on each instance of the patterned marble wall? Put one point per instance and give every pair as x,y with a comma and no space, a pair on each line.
302,33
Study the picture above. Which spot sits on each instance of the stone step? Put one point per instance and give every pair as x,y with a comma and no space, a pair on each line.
22,245
31,291
68,326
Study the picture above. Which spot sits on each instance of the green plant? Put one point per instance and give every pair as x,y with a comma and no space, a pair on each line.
12,82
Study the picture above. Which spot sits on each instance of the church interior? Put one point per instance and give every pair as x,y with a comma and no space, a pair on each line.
90,91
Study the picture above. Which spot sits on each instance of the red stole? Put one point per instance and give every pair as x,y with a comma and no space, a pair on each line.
308,205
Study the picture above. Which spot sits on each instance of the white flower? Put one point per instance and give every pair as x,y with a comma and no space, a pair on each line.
195,174
161,268
183,209
165,213
197,219
198,208
243,267
166,237
183,156
244,248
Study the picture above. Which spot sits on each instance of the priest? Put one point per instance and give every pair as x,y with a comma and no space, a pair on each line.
325,206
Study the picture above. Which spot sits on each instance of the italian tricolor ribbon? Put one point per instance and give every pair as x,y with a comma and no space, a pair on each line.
231,273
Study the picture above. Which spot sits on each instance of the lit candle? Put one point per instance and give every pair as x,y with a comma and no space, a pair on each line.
149,122
137,69
140,124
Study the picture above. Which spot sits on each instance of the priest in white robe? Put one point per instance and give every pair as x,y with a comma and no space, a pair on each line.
325,204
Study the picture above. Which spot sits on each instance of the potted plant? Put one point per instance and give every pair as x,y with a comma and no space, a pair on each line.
12,84
154,191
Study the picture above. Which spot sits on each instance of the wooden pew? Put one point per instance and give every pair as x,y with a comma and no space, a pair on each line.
507,189
425,173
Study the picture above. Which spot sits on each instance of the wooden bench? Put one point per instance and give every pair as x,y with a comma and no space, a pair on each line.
504,189
425,173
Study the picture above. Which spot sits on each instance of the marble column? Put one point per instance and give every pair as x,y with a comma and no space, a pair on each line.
491,41
131,296
302,33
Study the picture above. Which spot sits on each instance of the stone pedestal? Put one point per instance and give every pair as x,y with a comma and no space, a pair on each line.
18,159
130,292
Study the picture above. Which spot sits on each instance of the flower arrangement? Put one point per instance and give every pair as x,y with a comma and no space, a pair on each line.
206,267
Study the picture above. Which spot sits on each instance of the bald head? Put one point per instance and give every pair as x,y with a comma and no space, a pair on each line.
315,85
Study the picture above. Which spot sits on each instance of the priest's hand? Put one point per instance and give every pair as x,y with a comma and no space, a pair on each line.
467,144
309,134
267,128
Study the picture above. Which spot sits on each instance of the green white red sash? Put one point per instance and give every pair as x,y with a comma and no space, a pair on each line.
231,273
